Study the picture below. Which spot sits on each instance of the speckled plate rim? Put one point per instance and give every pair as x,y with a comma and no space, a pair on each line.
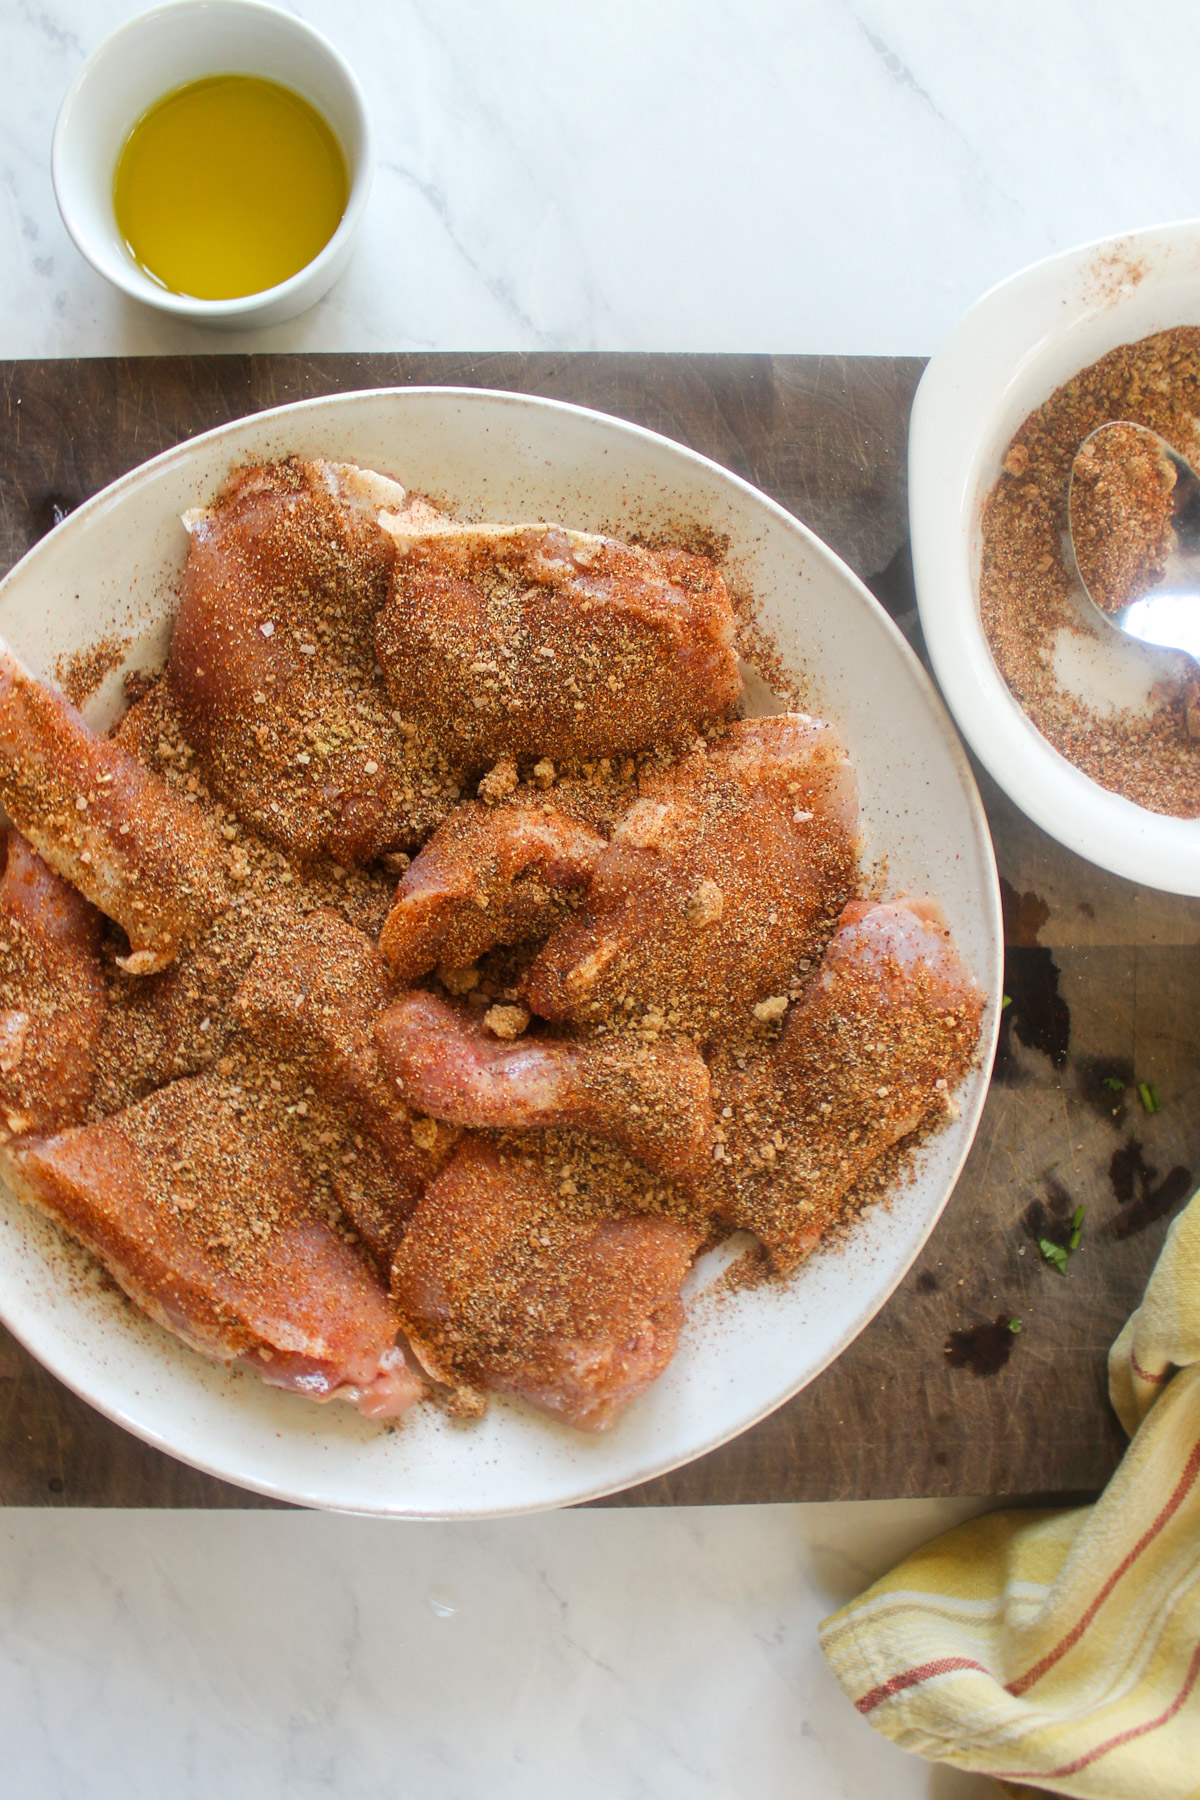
1006,356
742,1355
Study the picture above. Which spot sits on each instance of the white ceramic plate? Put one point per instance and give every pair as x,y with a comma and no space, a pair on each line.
1006,356
111,567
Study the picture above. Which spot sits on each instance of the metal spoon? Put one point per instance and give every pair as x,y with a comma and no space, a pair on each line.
1164,607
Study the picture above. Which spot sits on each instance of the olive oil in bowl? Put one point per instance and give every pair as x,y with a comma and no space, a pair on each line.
228,186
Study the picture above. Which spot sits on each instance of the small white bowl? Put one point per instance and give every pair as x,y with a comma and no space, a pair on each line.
1007,355
163,50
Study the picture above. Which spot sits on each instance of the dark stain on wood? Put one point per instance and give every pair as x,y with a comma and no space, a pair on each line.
1103,1082
1159,1203
1036,1013
1129,1170
1132,1175
1063,1206
49,509
1050,1217
1024,914
984,1349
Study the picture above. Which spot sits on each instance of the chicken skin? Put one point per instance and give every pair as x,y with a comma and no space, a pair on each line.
502,1289
729,869
272,664
487,876
210,1228
312,1003
873,1048
103,822
52,995
651,1099
535,641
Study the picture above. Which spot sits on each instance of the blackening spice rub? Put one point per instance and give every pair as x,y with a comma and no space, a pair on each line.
1028,594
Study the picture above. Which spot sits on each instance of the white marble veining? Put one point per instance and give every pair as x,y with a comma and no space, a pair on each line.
661,1655
792,175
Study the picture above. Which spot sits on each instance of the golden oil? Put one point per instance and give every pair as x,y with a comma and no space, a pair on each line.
228,186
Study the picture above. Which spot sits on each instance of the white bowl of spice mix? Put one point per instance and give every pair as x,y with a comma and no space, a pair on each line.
1085,730
213,158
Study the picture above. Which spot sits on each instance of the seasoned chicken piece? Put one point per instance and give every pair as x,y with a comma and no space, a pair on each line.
106,824
272,664
312,1003
52,995
502,1288
873,1048
652,1099
488,875
208,1224
729,870
532,640
181,1021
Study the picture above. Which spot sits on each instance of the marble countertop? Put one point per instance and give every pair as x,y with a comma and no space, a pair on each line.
604,1655
790,175
784,175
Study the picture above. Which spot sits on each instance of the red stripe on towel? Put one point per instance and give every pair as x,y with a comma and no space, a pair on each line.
1186,1481
1115,1743
896,1684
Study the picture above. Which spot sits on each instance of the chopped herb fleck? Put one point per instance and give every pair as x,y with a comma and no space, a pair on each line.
1115,1083
1054,1254
1148,1094
1015,1325
1006,1000
1076,1228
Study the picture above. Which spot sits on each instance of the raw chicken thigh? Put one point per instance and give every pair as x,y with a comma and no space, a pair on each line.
210,1228
726,872
652,1099
501,1288
872,1049
488,875
105,823
272,664
535,641
52,995
311,1004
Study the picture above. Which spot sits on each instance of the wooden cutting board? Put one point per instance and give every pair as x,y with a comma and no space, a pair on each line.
1103,976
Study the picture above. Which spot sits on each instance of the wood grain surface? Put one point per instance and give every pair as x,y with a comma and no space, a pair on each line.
1103,976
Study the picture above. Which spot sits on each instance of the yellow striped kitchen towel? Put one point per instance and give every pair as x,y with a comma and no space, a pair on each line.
1062,1649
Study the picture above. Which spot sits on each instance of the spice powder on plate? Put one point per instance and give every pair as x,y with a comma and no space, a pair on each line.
1028,593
